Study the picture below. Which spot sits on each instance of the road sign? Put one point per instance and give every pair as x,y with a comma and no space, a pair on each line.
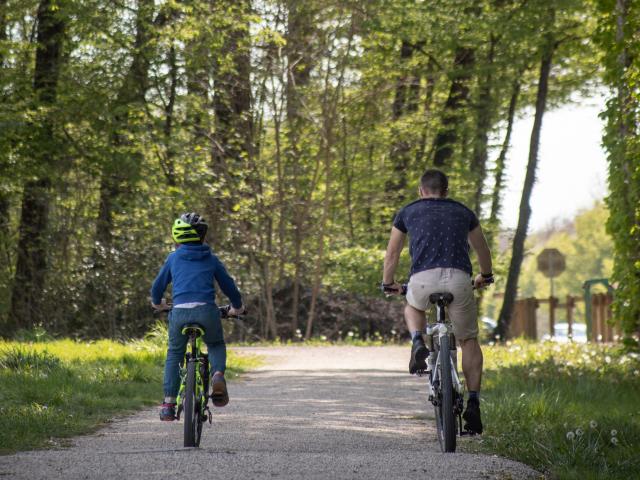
551,262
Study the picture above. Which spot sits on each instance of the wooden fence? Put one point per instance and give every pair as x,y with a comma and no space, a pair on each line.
524,322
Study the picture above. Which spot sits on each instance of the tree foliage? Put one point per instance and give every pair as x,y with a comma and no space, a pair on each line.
297,128
617,35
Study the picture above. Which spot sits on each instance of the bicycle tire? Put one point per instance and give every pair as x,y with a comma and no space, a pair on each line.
190,413
447,435
202,398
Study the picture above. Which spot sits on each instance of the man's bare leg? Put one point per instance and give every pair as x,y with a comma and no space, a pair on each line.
472,368
416,322
472,363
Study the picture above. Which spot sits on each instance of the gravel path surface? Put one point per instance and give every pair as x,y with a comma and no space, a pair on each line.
309,413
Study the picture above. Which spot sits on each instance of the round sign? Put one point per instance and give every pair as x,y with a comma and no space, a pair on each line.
551,262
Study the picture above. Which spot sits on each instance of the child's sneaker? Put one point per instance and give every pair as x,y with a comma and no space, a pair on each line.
219,394
168,412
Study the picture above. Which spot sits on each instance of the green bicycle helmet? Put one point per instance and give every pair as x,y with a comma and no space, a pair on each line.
190,227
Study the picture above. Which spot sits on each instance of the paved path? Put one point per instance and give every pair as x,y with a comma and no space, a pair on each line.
309,413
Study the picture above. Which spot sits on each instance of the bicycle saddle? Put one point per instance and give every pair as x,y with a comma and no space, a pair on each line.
441,298
195,327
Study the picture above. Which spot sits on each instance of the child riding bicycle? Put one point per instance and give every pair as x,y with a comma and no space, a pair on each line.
192,268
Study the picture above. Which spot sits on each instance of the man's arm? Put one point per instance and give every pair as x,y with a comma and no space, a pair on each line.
391,258
479,244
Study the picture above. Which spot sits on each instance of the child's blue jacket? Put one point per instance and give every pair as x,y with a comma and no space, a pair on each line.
192,268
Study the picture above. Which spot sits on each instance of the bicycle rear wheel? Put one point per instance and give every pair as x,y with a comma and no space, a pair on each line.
202,390
445,419
190,407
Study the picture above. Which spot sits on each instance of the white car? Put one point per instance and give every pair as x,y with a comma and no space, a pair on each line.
561,332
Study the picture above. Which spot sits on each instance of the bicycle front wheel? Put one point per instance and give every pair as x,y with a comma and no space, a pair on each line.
190,413
446,421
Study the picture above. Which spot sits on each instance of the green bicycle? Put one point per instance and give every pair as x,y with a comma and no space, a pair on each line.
193,396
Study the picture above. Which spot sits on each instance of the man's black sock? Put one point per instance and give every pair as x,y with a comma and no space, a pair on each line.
415,336
474,396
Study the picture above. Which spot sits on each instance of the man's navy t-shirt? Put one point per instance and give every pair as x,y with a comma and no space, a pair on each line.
438,229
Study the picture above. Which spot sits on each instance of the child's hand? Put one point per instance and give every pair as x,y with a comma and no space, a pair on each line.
234,312
163,306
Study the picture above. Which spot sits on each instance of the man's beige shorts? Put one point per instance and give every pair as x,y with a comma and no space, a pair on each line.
462,311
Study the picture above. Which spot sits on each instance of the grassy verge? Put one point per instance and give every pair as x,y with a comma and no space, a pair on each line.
55,389
569,410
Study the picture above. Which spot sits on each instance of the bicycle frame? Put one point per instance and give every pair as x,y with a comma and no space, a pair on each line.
440,335
195,345
440,329
198,363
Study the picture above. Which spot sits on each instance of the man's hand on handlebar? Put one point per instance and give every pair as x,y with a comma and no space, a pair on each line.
482,281
393,288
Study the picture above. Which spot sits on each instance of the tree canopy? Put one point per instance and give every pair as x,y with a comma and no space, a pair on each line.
296,128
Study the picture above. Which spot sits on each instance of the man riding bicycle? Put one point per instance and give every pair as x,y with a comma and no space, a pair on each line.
440,231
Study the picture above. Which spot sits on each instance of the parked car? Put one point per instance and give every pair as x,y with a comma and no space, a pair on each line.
487,325
561,332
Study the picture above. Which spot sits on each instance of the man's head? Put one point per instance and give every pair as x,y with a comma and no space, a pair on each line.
190,227
433,183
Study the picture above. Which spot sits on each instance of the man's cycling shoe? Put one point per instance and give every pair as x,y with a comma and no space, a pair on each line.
419,353
168,412
219,394
472,417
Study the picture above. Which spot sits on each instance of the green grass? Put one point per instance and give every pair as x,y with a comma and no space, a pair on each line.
571,411
54,389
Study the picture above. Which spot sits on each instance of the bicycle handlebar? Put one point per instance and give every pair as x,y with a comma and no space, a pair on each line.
403,289
224,310
404,286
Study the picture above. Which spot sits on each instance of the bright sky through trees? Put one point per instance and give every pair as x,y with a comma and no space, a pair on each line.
572,171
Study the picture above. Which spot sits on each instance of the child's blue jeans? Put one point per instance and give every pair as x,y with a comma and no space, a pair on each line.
208,316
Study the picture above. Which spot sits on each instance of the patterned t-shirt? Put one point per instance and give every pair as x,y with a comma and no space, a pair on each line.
438,229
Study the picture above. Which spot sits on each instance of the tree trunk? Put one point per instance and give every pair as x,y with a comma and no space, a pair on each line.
116,172
300,31
428,100
453,115
3,27
405,101
131,94
233,146
4,197
500,162
167,160
233,135
317,280
511,288
484,122
623,178
28,285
